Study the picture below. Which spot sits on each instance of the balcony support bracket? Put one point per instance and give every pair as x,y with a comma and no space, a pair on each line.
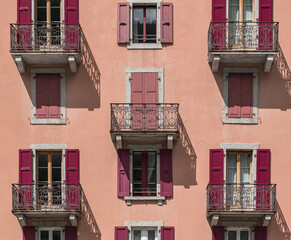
268,63
118,139
73,219
73,64
22,220
267,219
215,63
170,140
20,64
214,220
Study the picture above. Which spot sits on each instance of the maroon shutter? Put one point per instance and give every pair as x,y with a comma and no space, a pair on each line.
266,11
41,95
218,10
71,28
54,96
70,233
260,233
121,233
234,104
23,11
71,11
123,23
123,173
25,166
166,22
24,19
166,182
217,233
266,27
218,24
246,95
167,233
28,233
215,188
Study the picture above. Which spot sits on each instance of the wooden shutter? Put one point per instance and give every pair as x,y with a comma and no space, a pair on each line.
266,27
246,95
137,91
71,11
54,96
25,166
234,103
70,233
72,166
266,11
166,22
23,11
41,96
123,23
123,173
218,39
260,233
218,10
167,233
217,233
151,91
166,182
121,233
28,233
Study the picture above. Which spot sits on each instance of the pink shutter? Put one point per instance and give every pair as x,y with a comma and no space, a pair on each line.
70,233
123,23
260,233
72,166
166,182
28,233
166,22
234,104
266,27
41,96
71,11
123,173
215,197
137,96
218,233
23,11
246,95
54,96
121,233
25,166
167,233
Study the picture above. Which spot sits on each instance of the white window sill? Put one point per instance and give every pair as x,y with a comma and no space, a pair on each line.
227,120
51,121
145,46
160,199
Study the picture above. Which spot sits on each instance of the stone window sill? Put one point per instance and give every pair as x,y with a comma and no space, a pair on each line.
160,199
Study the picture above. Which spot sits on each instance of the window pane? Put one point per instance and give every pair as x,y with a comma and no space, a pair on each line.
151,159
231,235
56,160
152,175
245,167
151,24
41,3
231,168
151,234
41,14
42,175
248,10
244,235
57,174
56,235
234,10
137,175
55,15
138,18
55,3
42,160
137,235
44,235
137,159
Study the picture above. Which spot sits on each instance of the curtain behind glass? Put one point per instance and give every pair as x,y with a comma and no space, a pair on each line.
231,179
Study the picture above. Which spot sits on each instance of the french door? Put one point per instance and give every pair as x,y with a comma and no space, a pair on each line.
238,233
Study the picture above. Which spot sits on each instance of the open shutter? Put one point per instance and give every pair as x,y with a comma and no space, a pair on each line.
166,22
215,188
260,233
23,11
234,99
266,11
70,233
266,26
218,24
123,173
246,95
218,10
41,96
166,183
71,29
167,233
71,11
121,233
217,233
25,166
54,96
24,21
28,233
123,23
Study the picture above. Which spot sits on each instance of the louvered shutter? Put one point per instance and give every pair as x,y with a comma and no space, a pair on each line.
218,41
217,233
24,21
246,95
123,23
260,233
121,233
137,98
23,11
234,99
28,233
70,233
54,96
123,173
167,233
71,28
218,10
166,22
166,182
41,97
71,11
266,26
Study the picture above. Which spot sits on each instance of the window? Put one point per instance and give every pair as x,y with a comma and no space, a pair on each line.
50,234
144,234
48,96
240,95
239,233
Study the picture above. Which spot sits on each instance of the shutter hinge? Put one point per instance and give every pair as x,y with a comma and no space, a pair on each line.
159,78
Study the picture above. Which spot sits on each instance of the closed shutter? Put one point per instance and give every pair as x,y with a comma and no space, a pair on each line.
71,11
123,23
137,91
28,233
234,109
167,233
260,233
25,166
41,96
217,233
266,26
166,182
123,173
246,95
166,22
54,96
70,233
121,233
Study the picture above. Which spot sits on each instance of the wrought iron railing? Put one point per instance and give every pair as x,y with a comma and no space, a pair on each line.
45,197
45,37
243,36
144,117
241,197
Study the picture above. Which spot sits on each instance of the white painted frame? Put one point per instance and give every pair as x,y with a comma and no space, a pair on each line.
144,225
143,229
132,45
225,119
50,229
52,121
238,230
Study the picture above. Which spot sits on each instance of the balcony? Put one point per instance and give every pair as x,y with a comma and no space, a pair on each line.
144,122
242,42
251,202
46,44
43,201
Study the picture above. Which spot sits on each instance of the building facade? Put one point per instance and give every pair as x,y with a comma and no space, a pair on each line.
145,120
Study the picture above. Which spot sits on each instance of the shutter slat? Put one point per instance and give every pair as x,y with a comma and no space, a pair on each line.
234,99
166,22
71,233
246,93
167,233
28,233
123,173
218,10
121,233
41,96
71,11
217,233
166,182
54,96
25,166
23,11
123,23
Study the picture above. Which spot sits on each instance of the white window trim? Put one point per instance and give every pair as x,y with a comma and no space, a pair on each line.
157,45
238,229
225,119
50,229
144,224
63,119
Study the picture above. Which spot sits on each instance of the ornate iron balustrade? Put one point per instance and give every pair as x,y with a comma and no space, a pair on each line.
241,197
44,197
144,117
48,37
243,36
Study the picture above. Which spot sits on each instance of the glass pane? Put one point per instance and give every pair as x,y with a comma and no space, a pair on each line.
137,175
244,235
151,234
55,3
231,168
234,10
42,160
138,18
41,3
56,160
41,14
57,174
152,175
248,10
56,235
231,235
151,159
137,159
42,175
55,15
137,235
151,24
245,167
44,235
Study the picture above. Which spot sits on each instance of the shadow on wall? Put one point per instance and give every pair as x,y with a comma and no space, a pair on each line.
278,228
87,225
184,153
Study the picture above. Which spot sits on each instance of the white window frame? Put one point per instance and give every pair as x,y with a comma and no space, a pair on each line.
50,229
143,229
238,230
147,225
225,119
158,44
52,121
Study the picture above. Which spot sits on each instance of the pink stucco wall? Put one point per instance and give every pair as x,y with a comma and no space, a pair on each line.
189,81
